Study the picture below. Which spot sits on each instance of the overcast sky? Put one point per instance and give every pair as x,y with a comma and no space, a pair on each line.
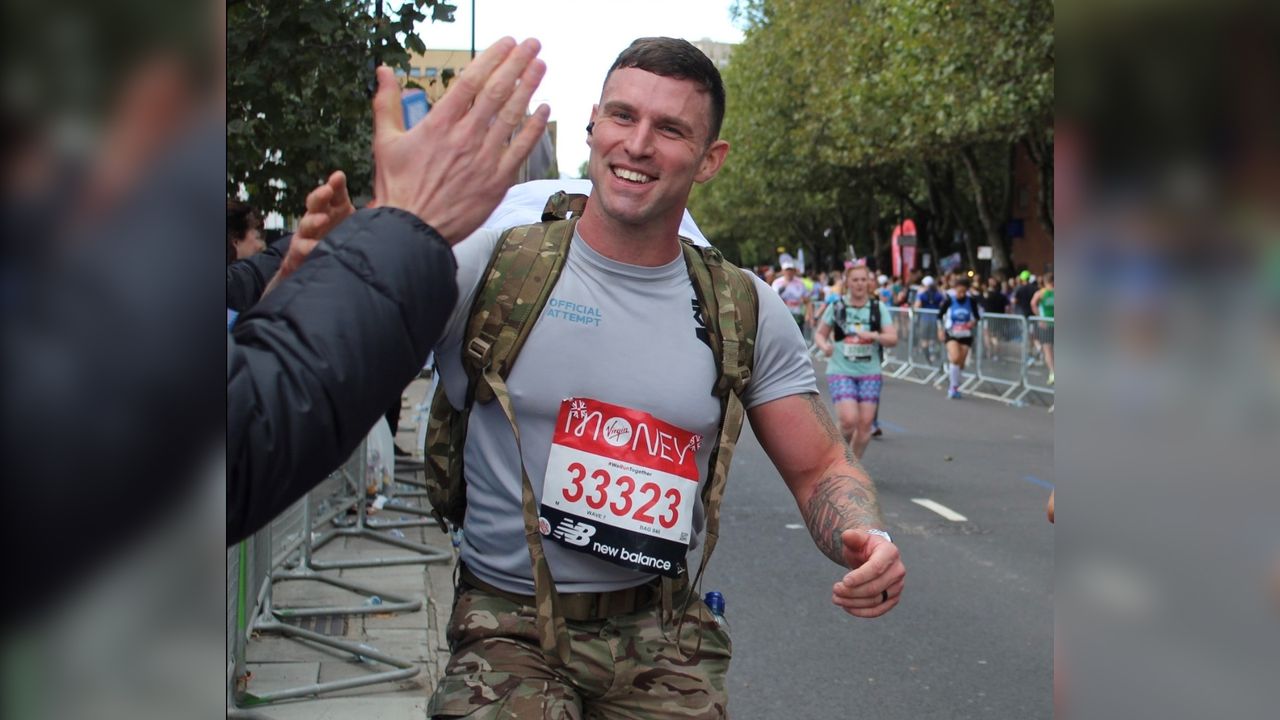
580,39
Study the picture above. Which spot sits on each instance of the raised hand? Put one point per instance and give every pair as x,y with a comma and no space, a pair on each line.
454,167
327,206
874,584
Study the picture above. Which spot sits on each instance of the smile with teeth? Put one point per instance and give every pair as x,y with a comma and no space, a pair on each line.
631,175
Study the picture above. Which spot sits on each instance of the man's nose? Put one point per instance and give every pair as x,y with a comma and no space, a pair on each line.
639,141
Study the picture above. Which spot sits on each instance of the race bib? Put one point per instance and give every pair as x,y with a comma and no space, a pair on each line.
961,323
854,347
857,351
621,486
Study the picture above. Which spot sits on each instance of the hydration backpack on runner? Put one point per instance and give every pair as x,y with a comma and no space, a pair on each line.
514,288
838,315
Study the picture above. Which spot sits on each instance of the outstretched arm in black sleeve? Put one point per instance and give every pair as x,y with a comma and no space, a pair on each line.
312,366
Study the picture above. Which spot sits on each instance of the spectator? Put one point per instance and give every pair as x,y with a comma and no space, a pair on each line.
244,232
994,300
1024,293
929,298
313,364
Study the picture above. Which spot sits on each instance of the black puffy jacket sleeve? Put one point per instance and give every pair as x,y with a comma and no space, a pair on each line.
247,278
314,364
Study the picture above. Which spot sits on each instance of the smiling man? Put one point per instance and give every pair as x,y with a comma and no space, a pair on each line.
616,421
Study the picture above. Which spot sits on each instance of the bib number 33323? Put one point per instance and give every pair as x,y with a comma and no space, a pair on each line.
621,486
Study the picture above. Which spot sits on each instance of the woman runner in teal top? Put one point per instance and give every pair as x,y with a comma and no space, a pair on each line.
853,356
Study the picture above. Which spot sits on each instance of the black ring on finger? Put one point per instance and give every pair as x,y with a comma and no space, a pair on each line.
884,596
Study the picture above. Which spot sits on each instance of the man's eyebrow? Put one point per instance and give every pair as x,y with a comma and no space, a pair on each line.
619,105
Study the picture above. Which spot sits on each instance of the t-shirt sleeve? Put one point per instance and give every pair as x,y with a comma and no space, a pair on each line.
782,364
472,256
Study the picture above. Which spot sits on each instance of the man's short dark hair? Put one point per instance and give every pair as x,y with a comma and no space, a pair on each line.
676,58
240,220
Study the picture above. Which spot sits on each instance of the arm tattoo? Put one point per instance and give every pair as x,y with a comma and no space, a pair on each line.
840,501
829,427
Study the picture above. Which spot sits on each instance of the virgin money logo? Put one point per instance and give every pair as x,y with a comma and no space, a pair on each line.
617,432
544,527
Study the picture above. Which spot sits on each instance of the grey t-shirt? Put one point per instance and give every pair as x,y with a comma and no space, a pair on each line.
616,333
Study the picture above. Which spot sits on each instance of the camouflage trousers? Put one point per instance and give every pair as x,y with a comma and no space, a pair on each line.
627,666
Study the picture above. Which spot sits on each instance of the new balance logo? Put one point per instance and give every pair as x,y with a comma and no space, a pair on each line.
574,533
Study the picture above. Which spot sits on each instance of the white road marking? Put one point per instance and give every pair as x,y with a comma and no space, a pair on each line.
939,508
794,526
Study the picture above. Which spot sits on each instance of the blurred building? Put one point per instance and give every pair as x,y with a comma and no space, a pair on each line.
718,52
435,70
1031,243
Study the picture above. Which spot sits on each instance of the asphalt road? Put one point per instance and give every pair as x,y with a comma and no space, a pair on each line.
973,637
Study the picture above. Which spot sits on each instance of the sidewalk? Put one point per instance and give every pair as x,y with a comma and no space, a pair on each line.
277,663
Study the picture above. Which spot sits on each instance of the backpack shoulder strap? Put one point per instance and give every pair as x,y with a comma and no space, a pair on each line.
874,309
730,308
522,271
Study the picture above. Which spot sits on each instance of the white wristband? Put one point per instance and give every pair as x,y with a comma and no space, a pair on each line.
881,533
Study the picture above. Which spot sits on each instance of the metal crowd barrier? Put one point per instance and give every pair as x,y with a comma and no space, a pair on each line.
257,564
1009,361
1001,354
1036,371
898,358
926,357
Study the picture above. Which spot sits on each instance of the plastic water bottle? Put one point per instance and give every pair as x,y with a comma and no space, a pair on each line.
375,600
715,602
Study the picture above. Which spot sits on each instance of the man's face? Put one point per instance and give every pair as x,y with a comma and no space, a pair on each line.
649,145
789,273
251,244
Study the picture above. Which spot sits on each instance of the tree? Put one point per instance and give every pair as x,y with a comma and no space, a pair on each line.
842,113
299,83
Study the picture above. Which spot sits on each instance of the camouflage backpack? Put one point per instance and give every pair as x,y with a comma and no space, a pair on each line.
522,271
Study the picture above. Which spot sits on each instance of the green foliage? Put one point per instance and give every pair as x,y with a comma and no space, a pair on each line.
299,82
849,116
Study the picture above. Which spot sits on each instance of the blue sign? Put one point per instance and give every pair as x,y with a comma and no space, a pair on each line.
415,107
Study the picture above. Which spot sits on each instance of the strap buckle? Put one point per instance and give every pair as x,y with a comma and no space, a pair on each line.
480,350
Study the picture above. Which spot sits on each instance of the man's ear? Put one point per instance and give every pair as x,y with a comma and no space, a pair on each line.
591,122
712,160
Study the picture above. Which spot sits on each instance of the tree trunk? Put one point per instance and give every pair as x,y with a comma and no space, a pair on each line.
990,229
1041,154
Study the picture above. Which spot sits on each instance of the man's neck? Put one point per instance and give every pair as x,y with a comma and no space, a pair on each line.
856,301
651,245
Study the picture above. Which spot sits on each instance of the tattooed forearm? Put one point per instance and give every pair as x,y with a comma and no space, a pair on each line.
819,410
843,499
839,503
